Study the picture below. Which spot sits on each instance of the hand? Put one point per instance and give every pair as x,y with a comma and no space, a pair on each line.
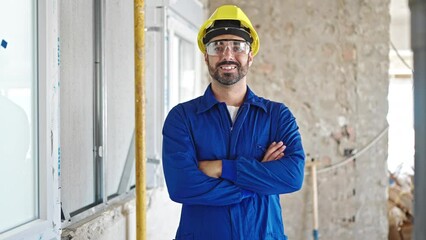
212,168
275,151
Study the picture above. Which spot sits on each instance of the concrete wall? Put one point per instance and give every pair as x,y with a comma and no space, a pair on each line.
328,61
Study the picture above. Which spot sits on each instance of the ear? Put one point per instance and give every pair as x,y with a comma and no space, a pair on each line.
206,58
250,58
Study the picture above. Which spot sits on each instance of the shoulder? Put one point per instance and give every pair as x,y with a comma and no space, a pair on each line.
187,108
273,107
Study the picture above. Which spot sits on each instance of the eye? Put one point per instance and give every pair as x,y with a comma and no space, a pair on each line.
237,49
218,48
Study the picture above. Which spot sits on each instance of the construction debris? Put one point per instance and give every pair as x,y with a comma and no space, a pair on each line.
400,207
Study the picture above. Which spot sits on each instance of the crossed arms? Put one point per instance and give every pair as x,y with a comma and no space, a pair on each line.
193,181
213,168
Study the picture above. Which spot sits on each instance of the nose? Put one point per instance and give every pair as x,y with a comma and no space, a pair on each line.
227,53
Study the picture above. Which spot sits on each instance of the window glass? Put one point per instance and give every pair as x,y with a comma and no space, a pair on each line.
119,65
187,83
173,84
401,130
77,106
183,85
18,114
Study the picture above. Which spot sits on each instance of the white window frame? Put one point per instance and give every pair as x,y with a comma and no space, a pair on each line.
47,226
155,15
184,30
164,19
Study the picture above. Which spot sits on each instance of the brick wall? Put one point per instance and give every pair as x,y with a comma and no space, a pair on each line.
328,61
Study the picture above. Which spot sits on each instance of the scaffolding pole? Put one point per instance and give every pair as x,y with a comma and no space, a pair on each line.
418,45
140,152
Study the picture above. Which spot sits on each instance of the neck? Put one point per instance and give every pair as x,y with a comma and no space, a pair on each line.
232,95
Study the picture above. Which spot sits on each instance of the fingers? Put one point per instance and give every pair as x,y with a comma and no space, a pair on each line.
277,154
275,151
271,149
280,155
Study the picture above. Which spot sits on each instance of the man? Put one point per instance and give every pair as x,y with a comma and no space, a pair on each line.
228,155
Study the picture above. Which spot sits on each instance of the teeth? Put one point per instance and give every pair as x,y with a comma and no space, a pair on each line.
228,68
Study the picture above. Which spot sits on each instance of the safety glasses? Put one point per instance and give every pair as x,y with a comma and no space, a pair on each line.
216,48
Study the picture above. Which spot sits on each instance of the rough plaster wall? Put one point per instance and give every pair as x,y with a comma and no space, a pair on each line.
118,222
328,61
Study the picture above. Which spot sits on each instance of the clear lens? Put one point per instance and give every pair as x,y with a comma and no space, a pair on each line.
219,47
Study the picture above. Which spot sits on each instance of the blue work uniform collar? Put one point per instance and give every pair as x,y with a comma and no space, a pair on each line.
209,100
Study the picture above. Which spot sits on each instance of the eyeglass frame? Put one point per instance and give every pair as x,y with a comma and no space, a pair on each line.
228,46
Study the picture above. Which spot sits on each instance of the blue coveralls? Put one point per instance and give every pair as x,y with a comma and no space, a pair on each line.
244,202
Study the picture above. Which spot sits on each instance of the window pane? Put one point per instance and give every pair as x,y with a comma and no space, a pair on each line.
401,130
18,114
182,85
77,70
187,82
119,65
173,85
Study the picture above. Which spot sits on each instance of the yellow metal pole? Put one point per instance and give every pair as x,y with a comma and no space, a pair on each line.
140,152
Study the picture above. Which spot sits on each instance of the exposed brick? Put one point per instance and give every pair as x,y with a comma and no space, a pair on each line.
332,57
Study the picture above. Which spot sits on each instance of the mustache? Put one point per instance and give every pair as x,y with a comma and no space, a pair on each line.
228,62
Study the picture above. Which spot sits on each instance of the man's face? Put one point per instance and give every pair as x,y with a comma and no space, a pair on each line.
229,64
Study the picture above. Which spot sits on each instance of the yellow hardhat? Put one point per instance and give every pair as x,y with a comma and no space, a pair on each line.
228,15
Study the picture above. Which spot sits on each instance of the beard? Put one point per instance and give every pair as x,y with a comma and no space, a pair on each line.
226,78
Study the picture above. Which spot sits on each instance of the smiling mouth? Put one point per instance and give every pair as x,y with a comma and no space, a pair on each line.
228,67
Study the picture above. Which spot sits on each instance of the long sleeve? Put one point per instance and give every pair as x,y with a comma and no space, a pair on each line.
185,182
284,175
